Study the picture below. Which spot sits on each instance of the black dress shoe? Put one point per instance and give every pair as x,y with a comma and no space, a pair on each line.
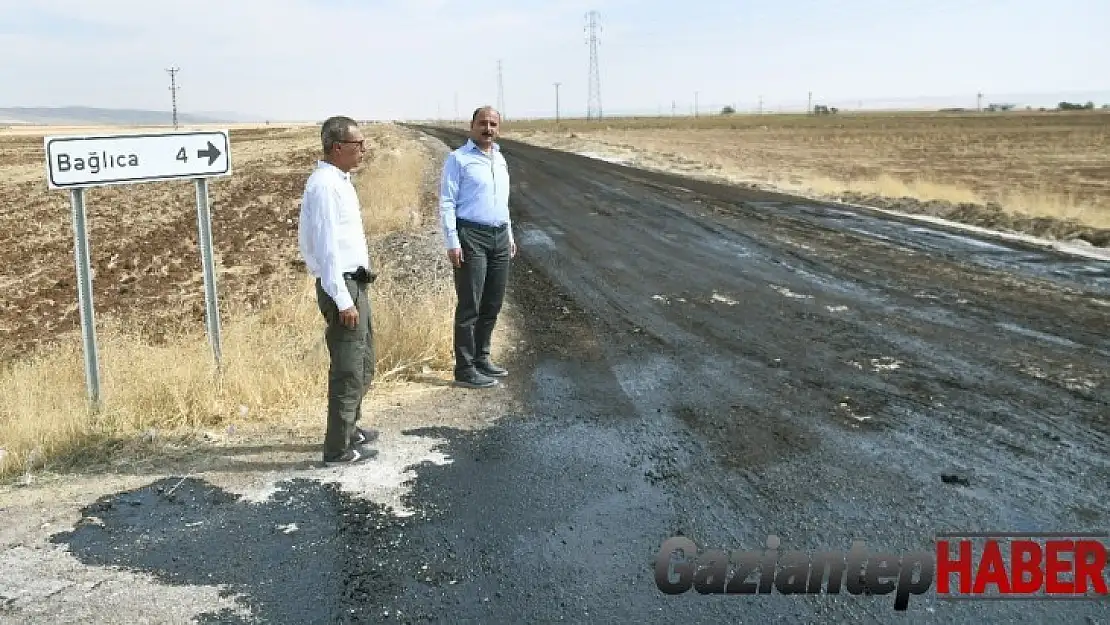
490,369
474,379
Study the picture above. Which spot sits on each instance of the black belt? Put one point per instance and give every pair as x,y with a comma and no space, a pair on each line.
361,275
466,223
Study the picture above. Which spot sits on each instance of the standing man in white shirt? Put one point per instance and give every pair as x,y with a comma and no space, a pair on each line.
333,244
474,210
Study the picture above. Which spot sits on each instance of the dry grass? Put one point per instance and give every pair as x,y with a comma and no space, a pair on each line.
389,187
1038,164
274,359
413,322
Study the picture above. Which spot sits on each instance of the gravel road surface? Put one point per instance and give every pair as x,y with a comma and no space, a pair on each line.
702,360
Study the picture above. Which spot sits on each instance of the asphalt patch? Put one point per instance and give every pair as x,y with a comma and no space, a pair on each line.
309,554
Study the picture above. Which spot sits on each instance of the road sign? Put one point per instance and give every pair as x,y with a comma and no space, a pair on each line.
78,162
87,161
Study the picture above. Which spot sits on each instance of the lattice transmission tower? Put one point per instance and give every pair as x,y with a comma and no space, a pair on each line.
593,27
173,92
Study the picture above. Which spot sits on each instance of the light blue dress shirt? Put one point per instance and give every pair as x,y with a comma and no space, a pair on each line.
474,187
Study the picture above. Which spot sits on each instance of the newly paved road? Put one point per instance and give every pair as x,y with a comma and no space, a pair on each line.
727,365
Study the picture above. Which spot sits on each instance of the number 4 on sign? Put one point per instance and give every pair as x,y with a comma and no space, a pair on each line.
181,156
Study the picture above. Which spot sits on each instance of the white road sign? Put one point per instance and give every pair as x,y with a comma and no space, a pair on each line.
88,161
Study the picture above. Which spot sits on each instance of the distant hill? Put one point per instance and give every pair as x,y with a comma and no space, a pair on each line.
82,115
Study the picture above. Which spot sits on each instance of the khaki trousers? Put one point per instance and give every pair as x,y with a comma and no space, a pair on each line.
351,371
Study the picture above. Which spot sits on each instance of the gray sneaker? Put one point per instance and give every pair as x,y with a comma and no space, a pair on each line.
363,436
354,455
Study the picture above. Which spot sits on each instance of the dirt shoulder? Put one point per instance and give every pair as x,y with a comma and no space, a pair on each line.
43,582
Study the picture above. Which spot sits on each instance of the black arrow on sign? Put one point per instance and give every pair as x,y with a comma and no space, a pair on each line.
212,153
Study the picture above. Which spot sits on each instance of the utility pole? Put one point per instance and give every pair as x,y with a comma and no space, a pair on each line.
809,103
760,105
173,91
500,91
593,107
695,104
557,102
979,102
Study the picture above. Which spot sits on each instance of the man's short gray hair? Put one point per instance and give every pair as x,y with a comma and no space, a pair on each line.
336,130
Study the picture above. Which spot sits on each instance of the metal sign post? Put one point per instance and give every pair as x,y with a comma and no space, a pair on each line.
84,295
79,162
211,305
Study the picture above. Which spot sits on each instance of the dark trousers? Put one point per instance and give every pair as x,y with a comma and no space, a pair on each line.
480,288
352,366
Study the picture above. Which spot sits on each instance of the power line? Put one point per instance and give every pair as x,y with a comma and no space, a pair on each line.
593,107
173,92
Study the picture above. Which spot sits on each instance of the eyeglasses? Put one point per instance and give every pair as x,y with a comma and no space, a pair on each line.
361,144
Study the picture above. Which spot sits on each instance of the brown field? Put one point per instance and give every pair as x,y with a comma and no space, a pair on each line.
1016,166
156,369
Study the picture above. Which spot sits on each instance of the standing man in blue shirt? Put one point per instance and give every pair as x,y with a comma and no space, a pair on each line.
477,230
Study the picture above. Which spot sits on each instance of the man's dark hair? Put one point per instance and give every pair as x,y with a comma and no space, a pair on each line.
474,117
336,130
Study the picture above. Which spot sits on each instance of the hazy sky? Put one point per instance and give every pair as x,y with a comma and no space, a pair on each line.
302,59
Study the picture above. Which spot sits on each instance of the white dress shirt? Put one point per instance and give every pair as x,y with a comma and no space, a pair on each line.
331,235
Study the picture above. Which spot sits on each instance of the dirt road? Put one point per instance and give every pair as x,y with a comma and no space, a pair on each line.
707,361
